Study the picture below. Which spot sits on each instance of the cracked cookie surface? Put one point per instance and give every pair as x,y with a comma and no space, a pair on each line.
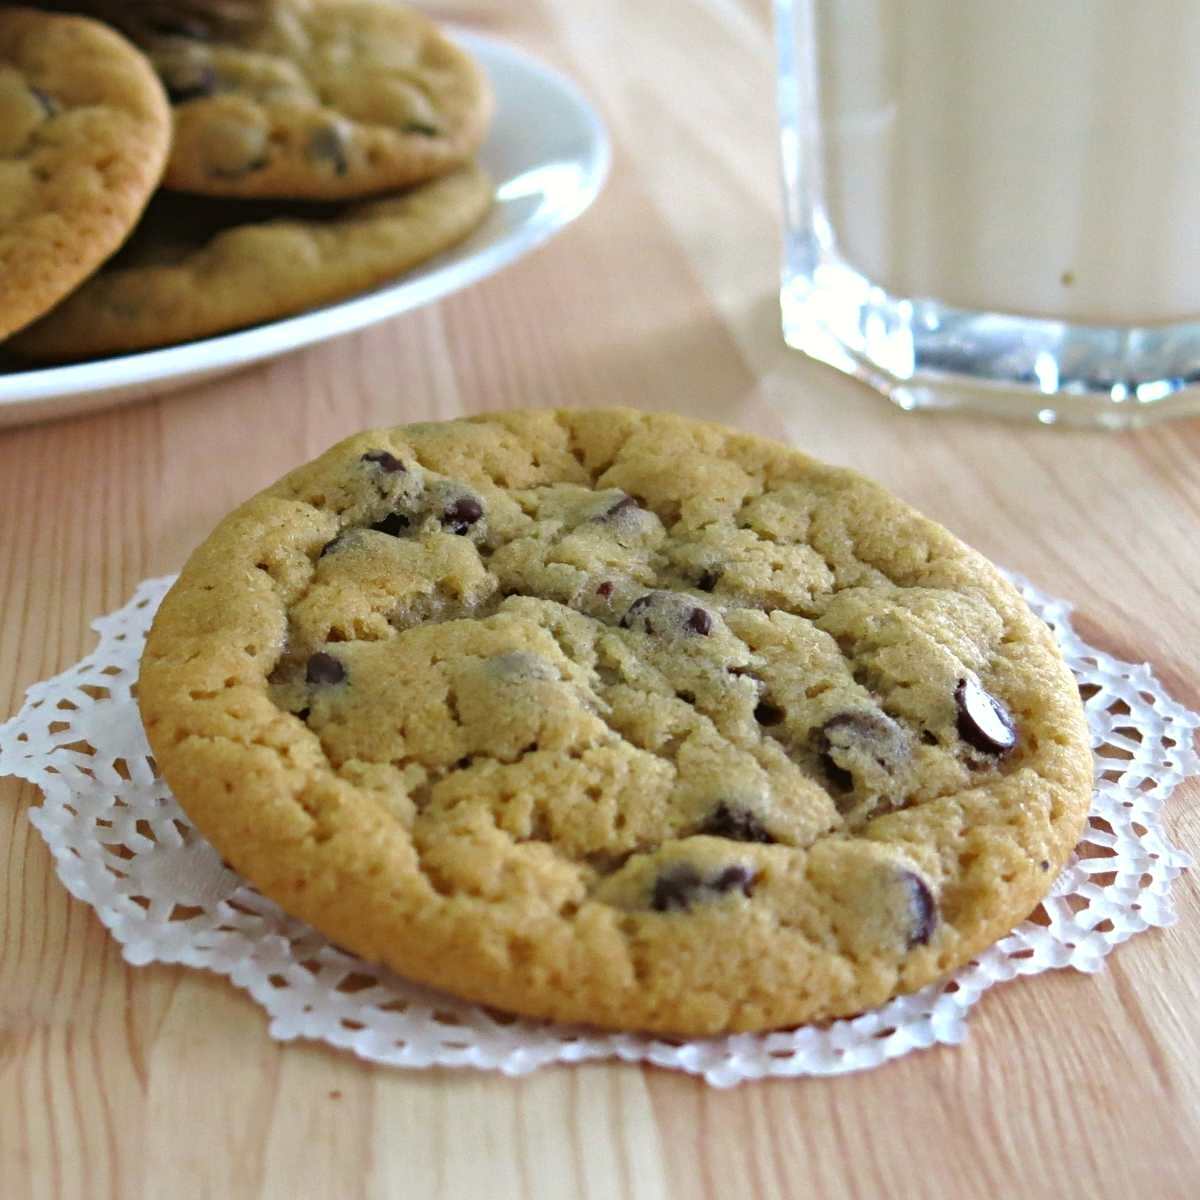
316,99
198,267
84,131
616,717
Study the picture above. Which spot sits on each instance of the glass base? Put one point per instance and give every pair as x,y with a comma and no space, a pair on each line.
923,354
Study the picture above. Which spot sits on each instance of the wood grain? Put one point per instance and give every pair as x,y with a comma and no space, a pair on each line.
163,1082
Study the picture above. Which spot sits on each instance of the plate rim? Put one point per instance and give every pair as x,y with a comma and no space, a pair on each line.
227,352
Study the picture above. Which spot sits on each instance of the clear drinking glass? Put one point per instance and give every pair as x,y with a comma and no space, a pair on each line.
995,204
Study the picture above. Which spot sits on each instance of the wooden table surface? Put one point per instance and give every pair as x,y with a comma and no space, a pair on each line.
162,1082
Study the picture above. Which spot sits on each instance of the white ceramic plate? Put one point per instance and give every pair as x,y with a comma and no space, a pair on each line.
548,153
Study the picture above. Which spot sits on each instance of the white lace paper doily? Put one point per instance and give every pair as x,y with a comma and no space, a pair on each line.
122,844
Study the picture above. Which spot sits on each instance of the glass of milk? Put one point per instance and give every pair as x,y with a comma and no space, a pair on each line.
996,205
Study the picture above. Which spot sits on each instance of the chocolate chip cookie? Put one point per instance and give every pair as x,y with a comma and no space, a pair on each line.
84,132
315,99
619,718
197,267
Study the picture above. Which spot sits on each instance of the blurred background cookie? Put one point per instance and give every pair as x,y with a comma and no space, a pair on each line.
84,133
198,266
308,99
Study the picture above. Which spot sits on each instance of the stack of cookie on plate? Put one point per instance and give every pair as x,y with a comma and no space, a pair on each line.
169,171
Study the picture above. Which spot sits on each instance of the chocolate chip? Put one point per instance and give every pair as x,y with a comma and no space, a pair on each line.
327,144
735,823
675,888
680,886
248,168
189,81
663,613
324,668
1045,864
861,745
395,524
46,103
983,722
766,713
637,610
923,909
384,460
708,581
625,503
420,127
734,877
838,776
605,589
461,514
